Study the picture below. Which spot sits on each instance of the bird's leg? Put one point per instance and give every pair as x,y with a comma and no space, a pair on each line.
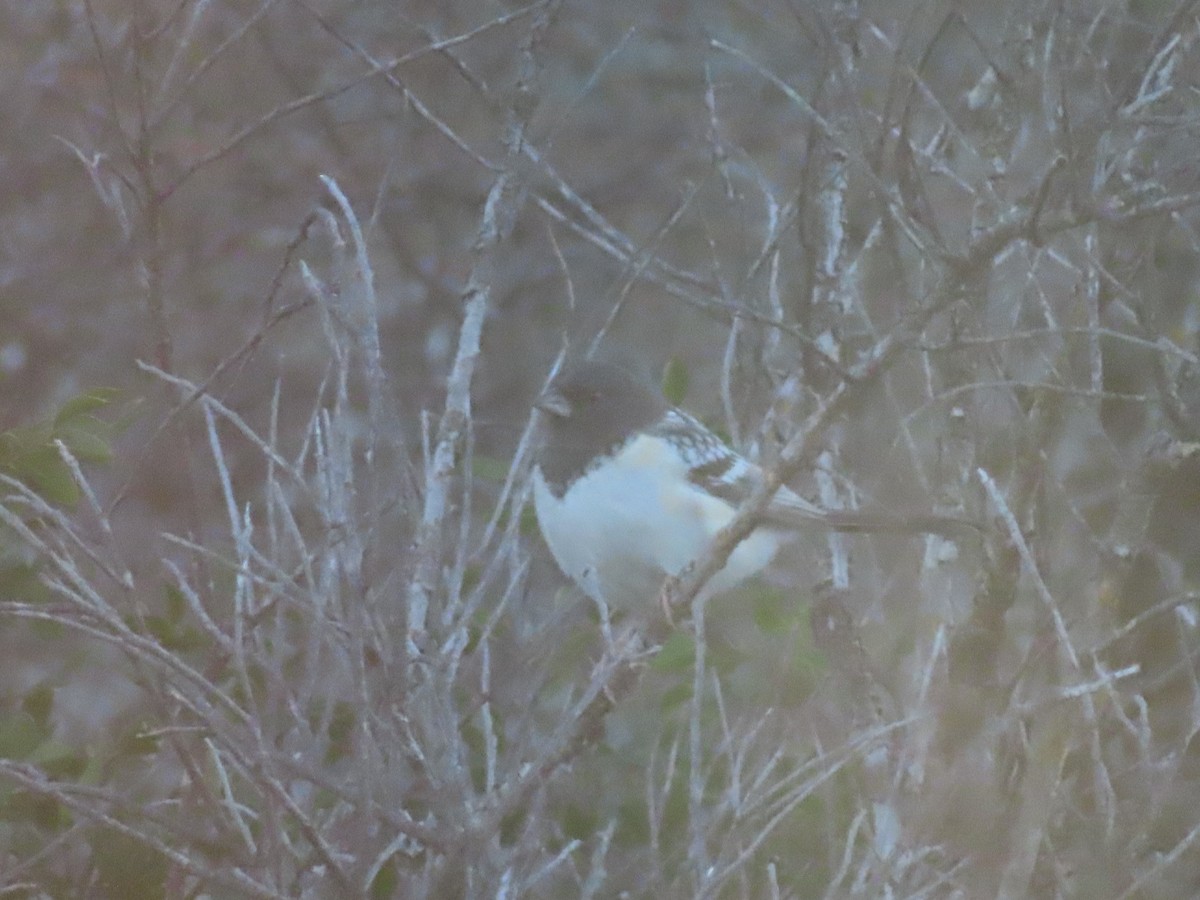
666,597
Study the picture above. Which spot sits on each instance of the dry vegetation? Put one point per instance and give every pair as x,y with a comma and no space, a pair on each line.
275,619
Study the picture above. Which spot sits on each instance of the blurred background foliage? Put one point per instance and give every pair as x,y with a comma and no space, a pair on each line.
211,527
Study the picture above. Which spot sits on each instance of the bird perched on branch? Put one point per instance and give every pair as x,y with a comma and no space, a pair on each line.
630,490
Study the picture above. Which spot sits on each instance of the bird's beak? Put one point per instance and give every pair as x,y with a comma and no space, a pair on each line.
553,403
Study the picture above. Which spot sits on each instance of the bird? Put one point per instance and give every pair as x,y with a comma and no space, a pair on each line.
629,491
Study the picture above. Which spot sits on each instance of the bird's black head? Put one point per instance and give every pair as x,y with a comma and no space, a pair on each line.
590,409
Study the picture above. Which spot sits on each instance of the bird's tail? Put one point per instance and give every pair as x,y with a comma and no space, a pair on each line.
866,522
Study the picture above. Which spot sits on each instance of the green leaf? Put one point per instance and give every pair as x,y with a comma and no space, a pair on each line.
173,635
340,731
88,440
60,761
20,582
675,381
724,656
126,867
489,468
774,611
34,809
138,741
675,810
38,703
17,443
675,697
47,631
20,735
529,522
51,478
29,452
511,825
633,823
43,469
678,654
808,661
471,576
97,398
383,887
175,603
579,822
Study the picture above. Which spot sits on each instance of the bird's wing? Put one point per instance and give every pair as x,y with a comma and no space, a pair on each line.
720,471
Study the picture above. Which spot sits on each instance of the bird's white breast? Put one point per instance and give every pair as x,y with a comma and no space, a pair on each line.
621,528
